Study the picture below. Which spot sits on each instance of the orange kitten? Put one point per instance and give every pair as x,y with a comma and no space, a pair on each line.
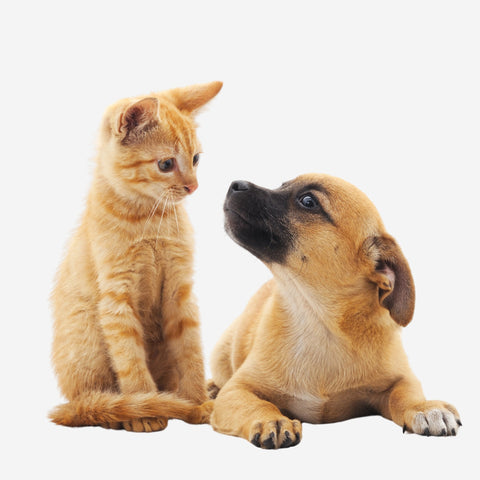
126,323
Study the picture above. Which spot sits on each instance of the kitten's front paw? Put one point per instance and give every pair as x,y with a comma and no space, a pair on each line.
146,424
212,389
112,425
432,418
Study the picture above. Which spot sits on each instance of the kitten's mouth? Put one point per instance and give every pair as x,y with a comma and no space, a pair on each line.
179,196
175,196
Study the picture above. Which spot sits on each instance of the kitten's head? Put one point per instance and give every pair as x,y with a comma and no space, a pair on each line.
149,148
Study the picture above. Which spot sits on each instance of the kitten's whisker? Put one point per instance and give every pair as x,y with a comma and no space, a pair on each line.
166,206
176,218
161,219
152,213
154,208
170,205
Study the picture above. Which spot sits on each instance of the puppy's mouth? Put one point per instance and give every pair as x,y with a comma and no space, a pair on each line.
231,213
238,225
235,222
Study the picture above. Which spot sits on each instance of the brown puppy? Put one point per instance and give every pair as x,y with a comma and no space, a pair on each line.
321,341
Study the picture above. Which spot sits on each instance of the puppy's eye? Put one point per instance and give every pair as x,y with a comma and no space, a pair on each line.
196,159
166,165
308,201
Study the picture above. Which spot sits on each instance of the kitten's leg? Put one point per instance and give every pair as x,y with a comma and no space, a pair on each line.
122,328
123,335
182,335
79,353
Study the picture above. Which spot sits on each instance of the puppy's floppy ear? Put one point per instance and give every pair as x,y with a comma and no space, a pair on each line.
389,270
191,99
137,118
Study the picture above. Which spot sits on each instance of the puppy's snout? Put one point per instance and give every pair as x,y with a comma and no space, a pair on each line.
239,186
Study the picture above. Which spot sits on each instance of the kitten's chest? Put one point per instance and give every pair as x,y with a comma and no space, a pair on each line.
169,268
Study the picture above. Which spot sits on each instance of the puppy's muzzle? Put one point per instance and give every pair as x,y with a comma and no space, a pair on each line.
256,218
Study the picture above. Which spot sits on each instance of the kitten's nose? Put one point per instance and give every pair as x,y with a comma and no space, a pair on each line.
191,188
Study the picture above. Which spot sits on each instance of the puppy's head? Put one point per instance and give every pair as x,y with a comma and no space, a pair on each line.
324,234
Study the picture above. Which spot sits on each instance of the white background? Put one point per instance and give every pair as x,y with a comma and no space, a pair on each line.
384,94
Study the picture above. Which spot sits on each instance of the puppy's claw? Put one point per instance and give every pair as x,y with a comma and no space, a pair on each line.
269,443
256,440
287,442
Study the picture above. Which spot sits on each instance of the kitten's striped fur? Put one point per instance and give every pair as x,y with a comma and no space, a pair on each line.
126,324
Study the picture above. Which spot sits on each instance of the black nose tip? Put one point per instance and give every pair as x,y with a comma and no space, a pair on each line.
239,186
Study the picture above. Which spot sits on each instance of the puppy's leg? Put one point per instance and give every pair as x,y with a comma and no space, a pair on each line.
239,411
407,407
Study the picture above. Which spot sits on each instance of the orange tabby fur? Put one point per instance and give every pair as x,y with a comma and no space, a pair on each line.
126,323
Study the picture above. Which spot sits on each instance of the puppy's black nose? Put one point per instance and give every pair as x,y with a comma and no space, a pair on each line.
239,186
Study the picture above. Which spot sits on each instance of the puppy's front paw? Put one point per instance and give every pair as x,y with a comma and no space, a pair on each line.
281,433
432,418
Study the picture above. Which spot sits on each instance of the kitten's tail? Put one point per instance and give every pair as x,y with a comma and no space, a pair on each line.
97,408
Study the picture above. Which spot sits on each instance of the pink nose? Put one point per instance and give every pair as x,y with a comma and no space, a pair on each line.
191,188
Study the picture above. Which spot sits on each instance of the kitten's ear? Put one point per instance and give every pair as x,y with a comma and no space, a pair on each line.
137,118
389,270
191,99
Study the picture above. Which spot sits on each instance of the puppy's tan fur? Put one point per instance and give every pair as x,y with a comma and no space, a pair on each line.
320,342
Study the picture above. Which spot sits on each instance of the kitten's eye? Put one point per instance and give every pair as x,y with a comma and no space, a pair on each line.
196,159
166,165
308,201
